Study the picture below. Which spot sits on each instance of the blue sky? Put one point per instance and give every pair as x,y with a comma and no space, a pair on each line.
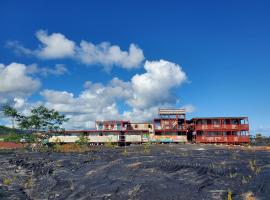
217,52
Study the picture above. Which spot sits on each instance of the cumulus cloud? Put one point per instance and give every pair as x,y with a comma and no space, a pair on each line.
57,46
94,99
94,103
18,81
143,95
15,81
108,55
154,86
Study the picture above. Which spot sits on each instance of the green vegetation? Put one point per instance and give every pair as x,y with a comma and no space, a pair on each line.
5,130
83,140
110,144
146,147
6,181
56,146
29,183
254,167
125,152
16,137
233,175
39,119
229,195
10,112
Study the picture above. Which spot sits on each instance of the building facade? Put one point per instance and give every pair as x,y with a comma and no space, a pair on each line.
231,130
170,127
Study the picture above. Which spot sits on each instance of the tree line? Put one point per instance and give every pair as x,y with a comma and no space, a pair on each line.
39,118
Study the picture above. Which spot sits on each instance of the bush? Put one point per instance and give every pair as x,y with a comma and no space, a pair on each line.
6,181
83,140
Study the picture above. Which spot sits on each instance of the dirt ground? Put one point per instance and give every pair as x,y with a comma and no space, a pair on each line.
137,172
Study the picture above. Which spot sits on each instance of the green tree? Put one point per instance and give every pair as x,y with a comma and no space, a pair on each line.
10,112
24,122
42,118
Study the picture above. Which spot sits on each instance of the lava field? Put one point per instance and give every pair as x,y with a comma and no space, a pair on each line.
189,171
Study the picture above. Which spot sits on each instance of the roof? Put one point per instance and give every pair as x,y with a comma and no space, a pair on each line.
113,121
96,131
141,122
196,118
163,111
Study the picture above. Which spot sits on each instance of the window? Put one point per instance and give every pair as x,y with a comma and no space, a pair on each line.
215,122
100,126
149,126
118,126
136,126
227,121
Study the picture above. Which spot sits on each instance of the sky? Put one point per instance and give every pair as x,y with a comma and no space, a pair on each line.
103,60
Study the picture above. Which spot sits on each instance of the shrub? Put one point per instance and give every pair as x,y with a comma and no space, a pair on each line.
125,152
29,183
6,181
254,167
83,140
229,195
146,147
110,144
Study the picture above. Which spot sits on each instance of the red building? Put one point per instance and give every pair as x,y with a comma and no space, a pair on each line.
231,130
170,126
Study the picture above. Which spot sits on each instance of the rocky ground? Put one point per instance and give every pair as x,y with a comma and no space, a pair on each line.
137,172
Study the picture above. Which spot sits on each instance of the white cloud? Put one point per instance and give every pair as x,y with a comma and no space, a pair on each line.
58,69
108,55
19,103
16,82
57,46
19,48
94,103
154,86
141,115
144,93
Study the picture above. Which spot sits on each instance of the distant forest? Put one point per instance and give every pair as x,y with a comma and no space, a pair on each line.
6,130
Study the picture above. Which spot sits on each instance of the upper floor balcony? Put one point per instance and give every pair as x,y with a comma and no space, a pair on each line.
170,125
221,127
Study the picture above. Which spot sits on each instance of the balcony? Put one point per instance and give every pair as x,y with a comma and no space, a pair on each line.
222,127
170,128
